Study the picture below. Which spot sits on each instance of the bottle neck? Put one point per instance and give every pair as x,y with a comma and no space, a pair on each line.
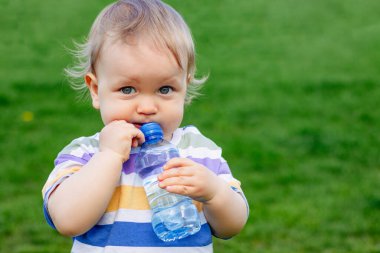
152,141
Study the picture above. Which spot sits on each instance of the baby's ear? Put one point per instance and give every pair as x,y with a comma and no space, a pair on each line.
92,84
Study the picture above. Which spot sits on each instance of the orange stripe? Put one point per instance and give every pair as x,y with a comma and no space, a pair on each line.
131,197
198,205
59,175
235,183
128,197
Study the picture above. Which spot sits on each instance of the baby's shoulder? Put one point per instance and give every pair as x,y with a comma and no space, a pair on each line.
88,144
191,136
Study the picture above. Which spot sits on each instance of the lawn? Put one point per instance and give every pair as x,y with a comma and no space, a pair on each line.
291,98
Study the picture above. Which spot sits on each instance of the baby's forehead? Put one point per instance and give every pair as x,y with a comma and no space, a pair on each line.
116,43
111,39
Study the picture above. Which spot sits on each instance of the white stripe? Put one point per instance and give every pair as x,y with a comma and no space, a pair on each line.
228,178
126,215
79,247
201,153
80,151
179,132
67,165
132,179
137,216
190,129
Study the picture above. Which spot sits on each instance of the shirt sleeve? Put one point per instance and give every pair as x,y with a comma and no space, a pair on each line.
225,173
195,146
68,162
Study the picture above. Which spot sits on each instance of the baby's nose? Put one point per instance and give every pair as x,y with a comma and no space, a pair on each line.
147,106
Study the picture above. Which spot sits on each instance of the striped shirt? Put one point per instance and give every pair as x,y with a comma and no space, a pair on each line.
126,225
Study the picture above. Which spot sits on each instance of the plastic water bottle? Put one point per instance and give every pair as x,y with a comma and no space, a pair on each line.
174,216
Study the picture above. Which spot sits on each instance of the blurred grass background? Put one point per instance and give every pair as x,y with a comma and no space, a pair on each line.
291,98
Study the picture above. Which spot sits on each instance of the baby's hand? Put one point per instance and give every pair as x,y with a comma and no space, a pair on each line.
186,177
118,137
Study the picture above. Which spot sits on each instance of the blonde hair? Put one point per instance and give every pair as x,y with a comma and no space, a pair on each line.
126,18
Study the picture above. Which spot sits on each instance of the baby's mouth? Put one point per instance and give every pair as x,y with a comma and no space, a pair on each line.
139,125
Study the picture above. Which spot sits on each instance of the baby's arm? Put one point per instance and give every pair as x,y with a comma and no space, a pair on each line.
79,202
225,209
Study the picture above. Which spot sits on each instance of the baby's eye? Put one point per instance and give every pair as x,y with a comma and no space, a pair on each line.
128,90
166,89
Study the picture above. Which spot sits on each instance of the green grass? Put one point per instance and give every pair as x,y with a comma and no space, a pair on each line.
292,99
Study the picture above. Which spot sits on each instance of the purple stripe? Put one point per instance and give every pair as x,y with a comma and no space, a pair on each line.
66,157
215,165
129,165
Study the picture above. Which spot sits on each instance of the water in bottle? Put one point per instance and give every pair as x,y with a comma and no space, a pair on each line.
174,216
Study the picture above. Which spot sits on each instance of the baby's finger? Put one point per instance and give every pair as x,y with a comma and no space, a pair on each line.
180,189
178,162
135,143
138,136
175,181
176,172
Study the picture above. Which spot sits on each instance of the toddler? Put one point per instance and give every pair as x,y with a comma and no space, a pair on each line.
138,64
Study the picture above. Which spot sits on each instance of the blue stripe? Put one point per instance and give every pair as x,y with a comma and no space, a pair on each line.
139,235
46,212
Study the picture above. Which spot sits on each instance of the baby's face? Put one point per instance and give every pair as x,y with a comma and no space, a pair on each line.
139,83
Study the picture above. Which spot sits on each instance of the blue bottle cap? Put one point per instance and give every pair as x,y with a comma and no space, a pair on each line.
152,132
